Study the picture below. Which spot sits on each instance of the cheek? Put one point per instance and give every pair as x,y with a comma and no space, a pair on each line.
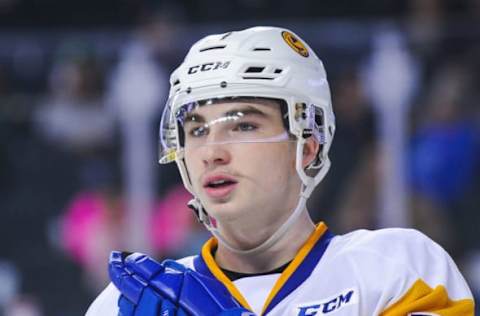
274,162
285,165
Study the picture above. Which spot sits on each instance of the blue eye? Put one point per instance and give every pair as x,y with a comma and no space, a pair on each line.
245,127
198,131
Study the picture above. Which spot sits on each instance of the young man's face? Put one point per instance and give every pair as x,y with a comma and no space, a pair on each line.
239,169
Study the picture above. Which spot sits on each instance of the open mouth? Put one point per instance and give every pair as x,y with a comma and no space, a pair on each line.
219,183
219,187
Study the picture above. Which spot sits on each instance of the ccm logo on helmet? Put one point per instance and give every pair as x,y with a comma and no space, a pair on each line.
208,67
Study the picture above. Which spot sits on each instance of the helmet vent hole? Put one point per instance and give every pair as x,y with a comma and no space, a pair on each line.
278,71
212,48
260,49
176,82
257,78
254,69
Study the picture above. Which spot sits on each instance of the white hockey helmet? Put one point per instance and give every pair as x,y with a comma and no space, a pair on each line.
261,62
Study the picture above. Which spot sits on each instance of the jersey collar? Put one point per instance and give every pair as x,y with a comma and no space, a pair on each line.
295,274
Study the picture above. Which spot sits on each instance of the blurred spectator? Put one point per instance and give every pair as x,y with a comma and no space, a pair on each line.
23,306
94,222
357,208
73,116
444,156
351,152
425,22
12,301
9,283
474,9
71,135
445,146
173,229
137,91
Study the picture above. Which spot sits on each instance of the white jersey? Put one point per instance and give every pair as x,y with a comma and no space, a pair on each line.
388,272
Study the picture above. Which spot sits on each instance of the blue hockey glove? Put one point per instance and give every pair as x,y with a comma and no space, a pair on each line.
149,288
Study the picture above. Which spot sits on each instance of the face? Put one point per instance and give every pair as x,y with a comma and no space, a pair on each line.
241,167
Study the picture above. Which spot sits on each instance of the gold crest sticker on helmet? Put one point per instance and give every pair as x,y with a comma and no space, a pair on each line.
295,43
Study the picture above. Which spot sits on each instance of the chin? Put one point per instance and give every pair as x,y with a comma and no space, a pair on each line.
224,211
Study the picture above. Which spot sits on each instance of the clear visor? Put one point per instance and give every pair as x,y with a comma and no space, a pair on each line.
232,120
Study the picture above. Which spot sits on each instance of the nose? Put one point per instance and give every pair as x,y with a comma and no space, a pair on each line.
215,155
214,152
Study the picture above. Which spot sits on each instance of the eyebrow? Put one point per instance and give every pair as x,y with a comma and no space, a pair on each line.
246,110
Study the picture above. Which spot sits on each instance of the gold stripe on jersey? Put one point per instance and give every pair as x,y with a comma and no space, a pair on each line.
302,253
218,273
422,298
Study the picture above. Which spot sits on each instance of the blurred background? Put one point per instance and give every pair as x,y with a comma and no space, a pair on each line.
83,84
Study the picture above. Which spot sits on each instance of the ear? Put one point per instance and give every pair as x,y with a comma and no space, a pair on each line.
310,150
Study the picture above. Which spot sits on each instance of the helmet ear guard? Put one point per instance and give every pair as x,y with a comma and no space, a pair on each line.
265,62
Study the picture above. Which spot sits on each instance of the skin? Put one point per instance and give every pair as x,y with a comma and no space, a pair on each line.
266,192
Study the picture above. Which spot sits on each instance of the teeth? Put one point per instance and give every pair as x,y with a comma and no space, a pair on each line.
218,182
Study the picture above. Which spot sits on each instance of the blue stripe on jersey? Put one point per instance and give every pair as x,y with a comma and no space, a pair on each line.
303,271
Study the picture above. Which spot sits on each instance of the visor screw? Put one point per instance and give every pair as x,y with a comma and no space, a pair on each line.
223,84
189,90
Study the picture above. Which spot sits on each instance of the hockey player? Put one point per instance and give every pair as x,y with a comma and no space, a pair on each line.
249,123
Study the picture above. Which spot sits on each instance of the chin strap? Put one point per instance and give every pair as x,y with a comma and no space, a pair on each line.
211,225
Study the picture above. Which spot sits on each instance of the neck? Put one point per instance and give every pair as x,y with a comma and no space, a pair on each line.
281,252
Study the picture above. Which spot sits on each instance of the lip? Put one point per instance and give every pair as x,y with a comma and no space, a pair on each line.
220,192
